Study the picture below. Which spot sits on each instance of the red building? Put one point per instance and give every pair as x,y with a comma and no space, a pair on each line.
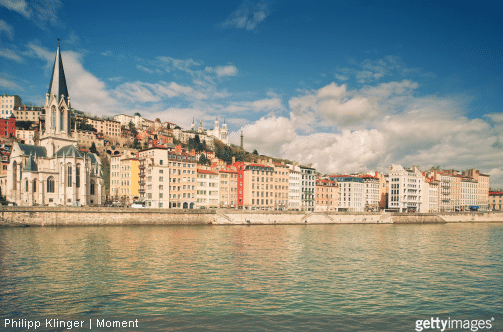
8,127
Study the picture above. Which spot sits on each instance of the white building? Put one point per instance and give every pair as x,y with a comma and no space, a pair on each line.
351,193
219,133
406,189
294,188
125,119
308,178
207,187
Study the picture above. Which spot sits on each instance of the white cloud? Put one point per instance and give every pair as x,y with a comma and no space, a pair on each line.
495,117
87,92
10,54
247,16
269,105
9,84
221,71
373,70
19,6
147,92
268,135
405,129
6,29
135,92
185,65
40,12
42,53
145,69
344,152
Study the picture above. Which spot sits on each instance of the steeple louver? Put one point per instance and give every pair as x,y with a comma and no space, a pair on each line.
58,81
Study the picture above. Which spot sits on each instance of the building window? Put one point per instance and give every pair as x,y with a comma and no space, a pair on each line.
77,176
69,175
50,185
34,186
92,187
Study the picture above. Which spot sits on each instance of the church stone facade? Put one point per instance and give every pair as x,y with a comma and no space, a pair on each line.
53,171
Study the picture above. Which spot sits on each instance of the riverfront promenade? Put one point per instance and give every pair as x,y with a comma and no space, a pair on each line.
98,216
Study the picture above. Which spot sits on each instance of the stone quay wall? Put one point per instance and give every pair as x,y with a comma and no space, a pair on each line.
98,216
101,216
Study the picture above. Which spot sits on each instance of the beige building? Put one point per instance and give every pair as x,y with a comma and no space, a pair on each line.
496,200
228,188
432,186
281,186
182,189
207,188
8,104
86,138
371,192
26,136
482,187
28,113
106,127
154,177
326,195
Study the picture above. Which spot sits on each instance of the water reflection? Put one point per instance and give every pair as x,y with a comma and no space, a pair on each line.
313,269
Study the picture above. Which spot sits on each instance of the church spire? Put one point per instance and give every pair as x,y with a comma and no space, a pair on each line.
58,81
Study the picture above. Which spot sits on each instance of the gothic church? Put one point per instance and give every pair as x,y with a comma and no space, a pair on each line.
53,171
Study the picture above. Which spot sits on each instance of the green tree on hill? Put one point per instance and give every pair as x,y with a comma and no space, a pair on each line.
93,149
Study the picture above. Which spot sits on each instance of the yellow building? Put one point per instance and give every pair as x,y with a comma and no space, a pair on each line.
124,178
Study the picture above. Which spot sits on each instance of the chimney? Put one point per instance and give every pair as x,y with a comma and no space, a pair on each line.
233,160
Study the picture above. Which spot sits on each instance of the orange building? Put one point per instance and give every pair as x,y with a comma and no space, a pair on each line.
326,195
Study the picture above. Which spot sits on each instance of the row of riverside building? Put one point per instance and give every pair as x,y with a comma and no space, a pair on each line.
53,171
161,177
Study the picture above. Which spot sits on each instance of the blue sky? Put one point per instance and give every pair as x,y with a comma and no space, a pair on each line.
345,85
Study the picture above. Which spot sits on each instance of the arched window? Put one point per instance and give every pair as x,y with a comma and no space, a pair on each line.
53,117
62,119
34,185
77,176
50,184
26,186
69,183
92,187
14,174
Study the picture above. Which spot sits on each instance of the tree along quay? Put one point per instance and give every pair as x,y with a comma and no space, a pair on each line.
106,216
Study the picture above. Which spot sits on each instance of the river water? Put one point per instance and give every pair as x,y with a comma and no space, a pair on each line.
254,277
